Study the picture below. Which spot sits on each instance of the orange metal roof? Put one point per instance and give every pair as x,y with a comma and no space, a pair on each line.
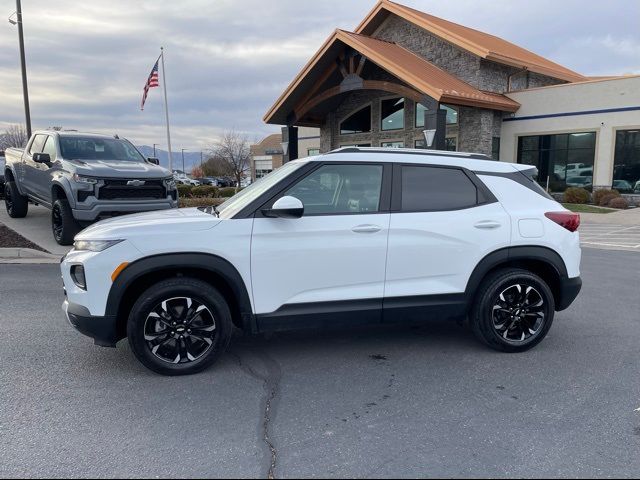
482,44
423,75
403,64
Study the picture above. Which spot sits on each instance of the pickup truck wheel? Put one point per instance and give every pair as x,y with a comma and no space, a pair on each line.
64,226
513,310
179,326
17,205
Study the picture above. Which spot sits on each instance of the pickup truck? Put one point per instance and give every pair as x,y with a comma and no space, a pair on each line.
82,178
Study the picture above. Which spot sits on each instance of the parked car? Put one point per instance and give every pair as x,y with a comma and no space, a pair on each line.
407,235
2,164
182,178
82,177
581,182
623,186
209,181
636,187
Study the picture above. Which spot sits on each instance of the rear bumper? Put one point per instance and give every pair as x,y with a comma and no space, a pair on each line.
569,290
111,208
101,329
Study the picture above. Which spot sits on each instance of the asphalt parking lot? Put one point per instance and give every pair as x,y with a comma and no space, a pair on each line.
384,402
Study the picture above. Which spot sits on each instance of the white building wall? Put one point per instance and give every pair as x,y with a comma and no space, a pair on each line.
615,94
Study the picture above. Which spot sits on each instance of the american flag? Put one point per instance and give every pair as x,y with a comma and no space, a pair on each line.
152,82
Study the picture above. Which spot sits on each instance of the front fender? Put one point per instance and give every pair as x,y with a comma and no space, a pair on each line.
60,180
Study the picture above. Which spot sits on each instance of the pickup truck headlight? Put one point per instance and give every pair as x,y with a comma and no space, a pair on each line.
170,183
81,179
94,245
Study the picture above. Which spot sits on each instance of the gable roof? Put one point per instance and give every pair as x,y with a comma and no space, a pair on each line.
479,43
408,67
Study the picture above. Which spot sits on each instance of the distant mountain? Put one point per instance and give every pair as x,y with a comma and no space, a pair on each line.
191,159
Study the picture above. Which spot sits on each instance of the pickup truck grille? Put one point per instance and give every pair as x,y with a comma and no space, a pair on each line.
119,190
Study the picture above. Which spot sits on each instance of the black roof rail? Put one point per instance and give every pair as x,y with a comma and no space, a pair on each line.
408,151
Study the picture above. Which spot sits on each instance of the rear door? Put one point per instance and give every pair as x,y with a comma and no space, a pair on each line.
329,265
444,220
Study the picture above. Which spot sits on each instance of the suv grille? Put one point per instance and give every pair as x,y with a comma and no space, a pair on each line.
119,190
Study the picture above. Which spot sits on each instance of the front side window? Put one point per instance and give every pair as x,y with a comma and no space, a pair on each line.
392,144
626,164
436,189
392,114
98,148
50,148
340,189
452,114
312,152
359,122
37,144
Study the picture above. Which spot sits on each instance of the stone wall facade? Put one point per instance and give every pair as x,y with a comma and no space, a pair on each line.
476,128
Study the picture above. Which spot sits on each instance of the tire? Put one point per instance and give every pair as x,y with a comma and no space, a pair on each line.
63,225
158,326
513,310
17,205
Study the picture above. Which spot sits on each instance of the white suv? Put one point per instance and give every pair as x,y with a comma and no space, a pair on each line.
354,236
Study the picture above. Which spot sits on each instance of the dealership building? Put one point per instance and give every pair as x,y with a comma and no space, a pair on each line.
402,71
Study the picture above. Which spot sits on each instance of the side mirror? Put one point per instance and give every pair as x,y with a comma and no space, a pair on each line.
153,160
41,158
285,207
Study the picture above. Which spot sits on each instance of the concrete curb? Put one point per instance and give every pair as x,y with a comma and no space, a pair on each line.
27,255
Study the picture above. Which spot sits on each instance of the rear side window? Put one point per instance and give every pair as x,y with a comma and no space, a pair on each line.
436,189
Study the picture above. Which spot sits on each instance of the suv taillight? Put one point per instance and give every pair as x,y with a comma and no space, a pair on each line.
568,220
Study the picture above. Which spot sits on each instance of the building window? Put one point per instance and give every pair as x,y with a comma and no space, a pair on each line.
563,160
263,167
312,152
495,148
451,143
452,114
359,122
626,163
392,114
392,144
359,145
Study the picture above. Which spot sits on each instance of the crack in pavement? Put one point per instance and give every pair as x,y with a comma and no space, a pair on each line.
271,385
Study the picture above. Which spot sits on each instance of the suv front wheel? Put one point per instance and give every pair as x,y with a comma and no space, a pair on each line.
513,311
179,326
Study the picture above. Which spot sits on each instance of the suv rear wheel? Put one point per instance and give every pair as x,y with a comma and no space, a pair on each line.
64,226
17,205
513,311
179,326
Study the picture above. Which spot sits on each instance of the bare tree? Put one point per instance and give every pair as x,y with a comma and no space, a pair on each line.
216,167
233,149
13,136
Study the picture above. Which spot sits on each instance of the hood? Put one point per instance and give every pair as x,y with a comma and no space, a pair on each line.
150,224
119,169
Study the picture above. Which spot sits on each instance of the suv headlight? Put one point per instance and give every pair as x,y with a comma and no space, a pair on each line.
170,183
81,179
95,245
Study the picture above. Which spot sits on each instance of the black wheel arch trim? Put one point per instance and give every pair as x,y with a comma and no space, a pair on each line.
202,261
509,254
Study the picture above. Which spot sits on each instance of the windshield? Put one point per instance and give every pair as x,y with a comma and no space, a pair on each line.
236,203
98,148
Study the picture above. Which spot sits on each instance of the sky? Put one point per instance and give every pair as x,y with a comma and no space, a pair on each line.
227,61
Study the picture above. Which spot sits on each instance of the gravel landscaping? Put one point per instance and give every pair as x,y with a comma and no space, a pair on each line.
10,239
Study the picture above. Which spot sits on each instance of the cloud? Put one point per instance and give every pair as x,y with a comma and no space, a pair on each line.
228,60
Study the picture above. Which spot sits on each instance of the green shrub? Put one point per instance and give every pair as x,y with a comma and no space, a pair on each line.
203,191
199,202
598,194
184,190
606,199
576,195
227,192
618,202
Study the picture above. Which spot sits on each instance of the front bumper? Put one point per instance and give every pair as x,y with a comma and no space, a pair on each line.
569,290
101,329
111,208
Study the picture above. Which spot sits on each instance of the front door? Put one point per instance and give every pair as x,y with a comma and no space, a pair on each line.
30,167
329,265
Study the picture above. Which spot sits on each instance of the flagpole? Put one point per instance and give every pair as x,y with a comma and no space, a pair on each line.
166,109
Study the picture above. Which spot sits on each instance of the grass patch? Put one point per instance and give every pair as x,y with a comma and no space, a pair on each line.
580,208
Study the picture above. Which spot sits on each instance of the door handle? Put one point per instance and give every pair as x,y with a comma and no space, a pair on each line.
366,229
488,225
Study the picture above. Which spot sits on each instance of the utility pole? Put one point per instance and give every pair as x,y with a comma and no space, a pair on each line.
183,159
25,90
154,149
